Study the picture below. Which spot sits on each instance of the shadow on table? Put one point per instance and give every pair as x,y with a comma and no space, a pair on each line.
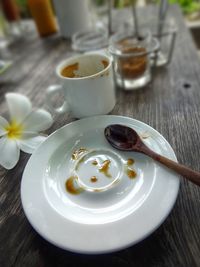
150,252
143,254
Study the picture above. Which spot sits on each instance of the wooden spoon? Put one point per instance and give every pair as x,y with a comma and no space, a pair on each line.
125,138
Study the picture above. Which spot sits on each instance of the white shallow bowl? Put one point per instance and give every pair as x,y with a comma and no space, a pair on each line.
97,222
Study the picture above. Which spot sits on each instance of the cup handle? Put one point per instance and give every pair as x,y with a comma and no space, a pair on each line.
51,91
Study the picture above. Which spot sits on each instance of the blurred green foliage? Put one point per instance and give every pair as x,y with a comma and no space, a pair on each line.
23,7
188,6
116,3
22,3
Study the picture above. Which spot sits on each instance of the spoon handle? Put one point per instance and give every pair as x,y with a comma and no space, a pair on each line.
188,173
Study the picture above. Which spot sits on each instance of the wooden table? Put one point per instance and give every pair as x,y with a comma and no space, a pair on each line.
171,105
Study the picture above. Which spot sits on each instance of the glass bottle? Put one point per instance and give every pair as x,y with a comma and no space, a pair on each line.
42,13
12,15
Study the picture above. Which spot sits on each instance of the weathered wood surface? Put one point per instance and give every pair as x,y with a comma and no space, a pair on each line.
171,105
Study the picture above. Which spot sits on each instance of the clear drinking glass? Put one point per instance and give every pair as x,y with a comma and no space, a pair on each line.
131,58
90,40
165,32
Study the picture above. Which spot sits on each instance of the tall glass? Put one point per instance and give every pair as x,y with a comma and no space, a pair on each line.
165,32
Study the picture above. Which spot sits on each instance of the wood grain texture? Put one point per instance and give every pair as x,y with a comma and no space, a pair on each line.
171,104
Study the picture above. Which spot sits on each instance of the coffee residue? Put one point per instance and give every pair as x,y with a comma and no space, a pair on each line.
130,162
105,63
132,66
71,187
68,71
76,154
105,168
131,173
93,179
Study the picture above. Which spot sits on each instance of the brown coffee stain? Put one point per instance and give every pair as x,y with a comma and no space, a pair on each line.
76,154
70,186
105,63
68,71
93,179
105,168
130,162
131,173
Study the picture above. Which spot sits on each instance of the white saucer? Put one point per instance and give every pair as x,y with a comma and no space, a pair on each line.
97,221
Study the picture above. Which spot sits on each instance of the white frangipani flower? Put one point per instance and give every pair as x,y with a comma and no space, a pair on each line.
22,130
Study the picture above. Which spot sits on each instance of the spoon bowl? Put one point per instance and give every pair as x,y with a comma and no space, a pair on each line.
121,137
125,138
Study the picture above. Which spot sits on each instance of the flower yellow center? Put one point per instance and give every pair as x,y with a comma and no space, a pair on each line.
14,130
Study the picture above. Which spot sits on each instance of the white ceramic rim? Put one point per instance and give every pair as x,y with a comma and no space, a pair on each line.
67,61
104,247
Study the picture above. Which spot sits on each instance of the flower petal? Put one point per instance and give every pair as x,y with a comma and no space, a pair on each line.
29,145
9,155
3,124
19,106
38,120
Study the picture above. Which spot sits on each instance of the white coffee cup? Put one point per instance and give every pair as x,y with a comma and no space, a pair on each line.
90,92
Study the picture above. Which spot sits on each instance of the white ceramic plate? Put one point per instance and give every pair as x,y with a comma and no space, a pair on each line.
97,222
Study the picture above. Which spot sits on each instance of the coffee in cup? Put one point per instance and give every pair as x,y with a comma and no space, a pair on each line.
87,84
76,71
